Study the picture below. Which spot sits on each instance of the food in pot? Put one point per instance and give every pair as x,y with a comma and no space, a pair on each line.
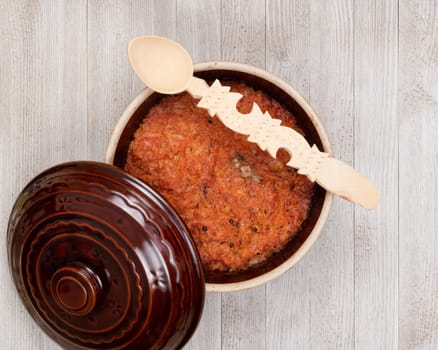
240,204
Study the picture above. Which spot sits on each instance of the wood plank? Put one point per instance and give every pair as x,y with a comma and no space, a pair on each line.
288,42
112,83
43,121
376,155
418,152
198,30
288,56
243,32
331,94
243,319
208,333
243,40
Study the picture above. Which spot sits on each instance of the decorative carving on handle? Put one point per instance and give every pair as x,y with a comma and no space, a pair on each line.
262,129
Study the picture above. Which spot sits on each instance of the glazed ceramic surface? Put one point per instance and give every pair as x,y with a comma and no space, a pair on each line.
102,262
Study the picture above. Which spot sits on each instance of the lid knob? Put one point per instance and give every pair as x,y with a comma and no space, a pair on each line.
76,289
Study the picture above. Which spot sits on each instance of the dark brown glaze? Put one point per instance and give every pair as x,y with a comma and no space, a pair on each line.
303,122
102,262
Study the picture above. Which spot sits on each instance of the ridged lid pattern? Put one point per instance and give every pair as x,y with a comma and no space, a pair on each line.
102,262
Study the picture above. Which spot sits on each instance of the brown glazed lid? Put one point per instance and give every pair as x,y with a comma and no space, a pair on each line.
101,261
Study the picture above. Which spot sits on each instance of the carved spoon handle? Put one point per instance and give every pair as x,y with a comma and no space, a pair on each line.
332,174
348,183
165,66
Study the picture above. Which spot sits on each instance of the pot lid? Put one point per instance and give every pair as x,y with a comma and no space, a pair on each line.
101,261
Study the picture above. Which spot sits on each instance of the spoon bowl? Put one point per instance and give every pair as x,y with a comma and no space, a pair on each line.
162,64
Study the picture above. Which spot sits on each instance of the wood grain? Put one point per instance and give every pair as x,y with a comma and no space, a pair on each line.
331,94
199,29
243,31
43,112
376,154
418,170
370,70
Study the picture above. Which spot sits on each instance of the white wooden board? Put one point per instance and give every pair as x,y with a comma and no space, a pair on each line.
370,70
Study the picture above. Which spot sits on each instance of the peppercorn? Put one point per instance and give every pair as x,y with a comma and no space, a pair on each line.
204,228
239,157
204,189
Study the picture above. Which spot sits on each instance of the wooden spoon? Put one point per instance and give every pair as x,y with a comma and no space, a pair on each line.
166,67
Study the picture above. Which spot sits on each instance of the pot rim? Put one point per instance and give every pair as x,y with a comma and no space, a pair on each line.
304,104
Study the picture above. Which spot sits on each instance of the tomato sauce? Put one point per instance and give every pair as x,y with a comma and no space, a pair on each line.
240,204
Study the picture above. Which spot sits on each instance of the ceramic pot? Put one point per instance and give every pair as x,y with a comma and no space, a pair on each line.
308,121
